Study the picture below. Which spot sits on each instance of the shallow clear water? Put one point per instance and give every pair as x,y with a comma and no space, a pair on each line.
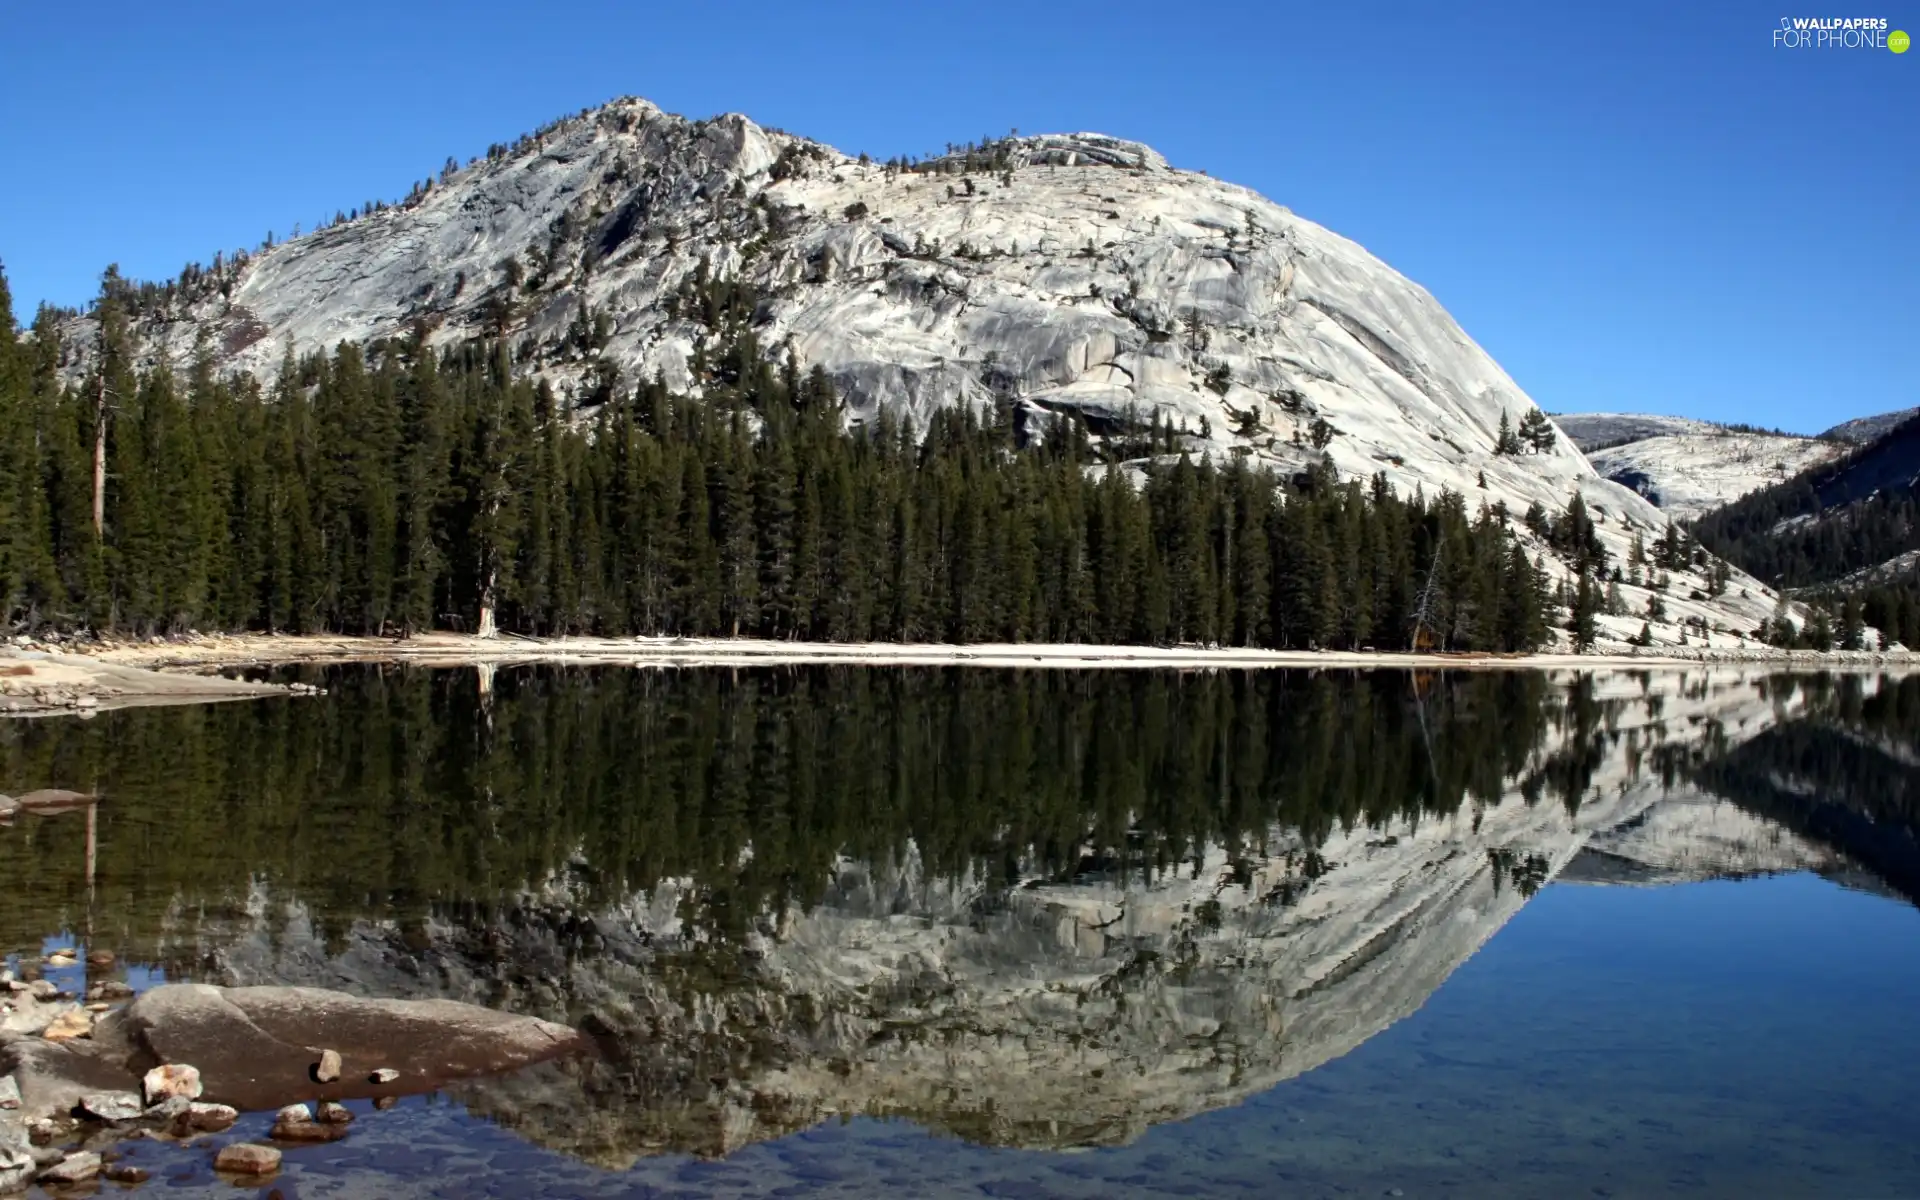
1048,934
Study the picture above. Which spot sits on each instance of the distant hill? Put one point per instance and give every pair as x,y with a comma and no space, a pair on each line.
1862,430
1833,520
1689,467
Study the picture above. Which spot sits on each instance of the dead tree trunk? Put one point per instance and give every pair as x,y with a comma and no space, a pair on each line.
100,461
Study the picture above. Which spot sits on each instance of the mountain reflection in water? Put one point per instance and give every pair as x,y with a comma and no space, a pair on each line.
1031,909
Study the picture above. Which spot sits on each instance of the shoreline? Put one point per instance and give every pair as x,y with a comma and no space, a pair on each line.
40,681
213,653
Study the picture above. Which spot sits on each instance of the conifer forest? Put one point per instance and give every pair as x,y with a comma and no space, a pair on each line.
389,488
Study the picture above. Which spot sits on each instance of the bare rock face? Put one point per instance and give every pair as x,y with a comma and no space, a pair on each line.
255,1047
1067,274
1689,467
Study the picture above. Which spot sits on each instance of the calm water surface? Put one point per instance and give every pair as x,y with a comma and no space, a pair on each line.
950,932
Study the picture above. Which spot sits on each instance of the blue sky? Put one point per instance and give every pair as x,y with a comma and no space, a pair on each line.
1644,207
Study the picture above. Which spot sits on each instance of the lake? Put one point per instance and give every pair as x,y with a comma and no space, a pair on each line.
851,931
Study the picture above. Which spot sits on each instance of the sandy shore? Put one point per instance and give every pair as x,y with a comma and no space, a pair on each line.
446,649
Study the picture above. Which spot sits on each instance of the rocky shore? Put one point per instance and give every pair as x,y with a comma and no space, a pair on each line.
81,1075
37,680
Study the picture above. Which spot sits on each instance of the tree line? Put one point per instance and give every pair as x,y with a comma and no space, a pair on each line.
390,488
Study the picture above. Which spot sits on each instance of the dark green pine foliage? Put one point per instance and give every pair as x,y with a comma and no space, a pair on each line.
386,488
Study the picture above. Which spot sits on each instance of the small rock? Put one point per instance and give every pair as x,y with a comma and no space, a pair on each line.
211,1118
170,1081
295,1123
125,1173
43,989
100,958
71,1024
9,1092
62,958
43,1131
112,1106
384,1075
110,989
330,1113
245,1158
328,1068
74,1168
98,1007
383,1103
16,1169
172,1108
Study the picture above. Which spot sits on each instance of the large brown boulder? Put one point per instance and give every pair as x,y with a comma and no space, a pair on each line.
256,1047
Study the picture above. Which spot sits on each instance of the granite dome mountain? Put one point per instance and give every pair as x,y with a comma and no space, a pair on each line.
1069,275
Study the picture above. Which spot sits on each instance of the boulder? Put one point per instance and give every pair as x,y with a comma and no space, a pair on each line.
211,1118
71,1024
171,1080
112,1106
53,1076
245,1158
74,1168
17,1169
256,1046
327,1070
48,801
329,1113
295,1123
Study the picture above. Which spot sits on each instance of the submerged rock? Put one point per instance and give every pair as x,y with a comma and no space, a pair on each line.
54,800
333,1114
125,1173
255,1047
